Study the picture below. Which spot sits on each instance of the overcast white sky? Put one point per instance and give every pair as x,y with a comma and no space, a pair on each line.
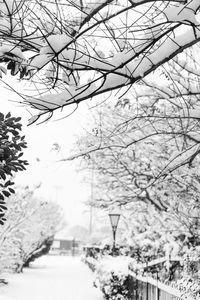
60,181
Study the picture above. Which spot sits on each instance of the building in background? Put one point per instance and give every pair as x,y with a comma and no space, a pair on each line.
66,246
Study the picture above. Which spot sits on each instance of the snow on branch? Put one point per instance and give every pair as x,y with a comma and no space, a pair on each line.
75,50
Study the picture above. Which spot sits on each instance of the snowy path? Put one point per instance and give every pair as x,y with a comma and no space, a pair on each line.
52,278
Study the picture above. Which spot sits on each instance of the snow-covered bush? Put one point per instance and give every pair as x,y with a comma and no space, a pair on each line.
91,262
91,256
189,288
113,279
191,261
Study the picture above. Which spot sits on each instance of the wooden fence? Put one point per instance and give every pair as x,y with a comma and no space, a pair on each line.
145,288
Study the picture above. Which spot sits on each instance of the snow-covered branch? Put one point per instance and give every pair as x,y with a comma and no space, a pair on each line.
75,50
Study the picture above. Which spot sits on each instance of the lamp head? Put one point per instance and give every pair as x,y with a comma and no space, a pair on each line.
114,219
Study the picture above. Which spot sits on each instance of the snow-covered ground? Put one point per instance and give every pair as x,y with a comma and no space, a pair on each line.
52,278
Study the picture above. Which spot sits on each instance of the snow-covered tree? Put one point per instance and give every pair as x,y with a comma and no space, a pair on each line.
72,51
36,240
132,160
31,225
129,155
153,234
12,144
75,50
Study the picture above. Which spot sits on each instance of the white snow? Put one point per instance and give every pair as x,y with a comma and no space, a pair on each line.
11,49
183,13
52,278
116,264
39,61
55,43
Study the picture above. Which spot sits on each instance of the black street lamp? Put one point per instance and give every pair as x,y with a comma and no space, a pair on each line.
114,220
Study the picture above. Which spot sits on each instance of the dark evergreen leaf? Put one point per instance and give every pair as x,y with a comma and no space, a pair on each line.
6,193
11,190
1,117
18,119
20,154
3,207
8,115
23,146
2,175
7,183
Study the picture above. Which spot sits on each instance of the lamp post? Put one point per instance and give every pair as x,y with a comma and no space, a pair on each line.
114,220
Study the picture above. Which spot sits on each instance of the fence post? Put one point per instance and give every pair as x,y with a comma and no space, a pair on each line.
136,294
158,293
157,289
147,291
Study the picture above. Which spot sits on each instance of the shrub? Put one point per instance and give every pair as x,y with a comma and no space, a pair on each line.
118,287
113,279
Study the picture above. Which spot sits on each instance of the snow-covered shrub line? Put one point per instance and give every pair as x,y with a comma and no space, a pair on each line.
116,281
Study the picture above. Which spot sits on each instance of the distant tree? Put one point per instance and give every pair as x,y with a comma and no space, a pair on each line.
12,144
78,232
